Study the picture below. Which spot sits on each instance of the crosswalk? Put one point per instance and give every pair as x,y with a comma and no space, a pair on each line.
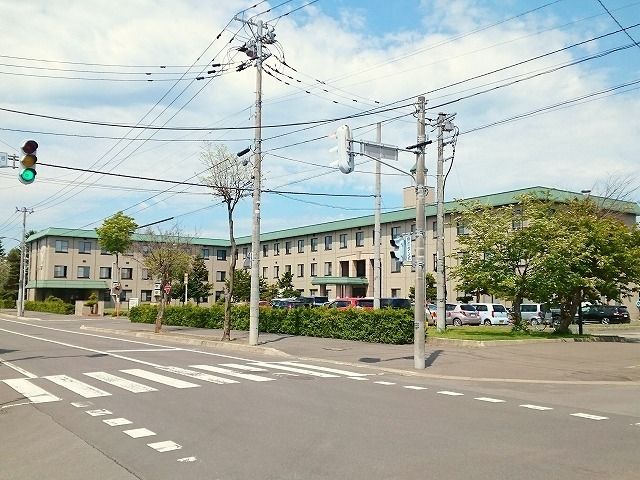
34,389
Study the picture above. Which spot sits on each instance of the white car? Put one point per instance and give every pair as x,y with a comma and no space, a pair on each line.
492,313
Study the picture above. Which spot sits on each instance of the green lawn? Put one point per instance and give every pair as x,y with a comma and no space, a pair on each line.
493,333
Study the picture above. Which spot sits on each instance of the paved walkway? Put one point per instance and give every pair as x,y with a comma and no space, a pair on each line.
544,362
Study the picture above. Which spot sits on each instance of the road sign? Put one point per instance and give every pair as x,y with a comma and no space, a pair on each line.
638,304
4,160
167,288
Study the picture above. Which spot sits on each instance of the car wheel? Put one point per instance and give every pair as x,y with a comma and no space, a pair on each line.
534,321
457,322
487,322
605,321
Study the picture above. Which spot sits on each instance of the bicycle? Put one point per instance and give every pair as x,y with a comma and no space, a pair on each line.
539,325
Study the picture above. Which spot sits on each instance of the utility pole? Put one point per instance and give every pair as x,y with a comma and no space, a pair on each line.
418,324
440,278
21,284
377,266
186,283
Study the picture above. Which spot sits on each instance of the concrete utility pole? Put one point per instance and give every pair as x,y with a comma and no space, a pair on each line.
21,284
377,266
418,325
186,287
440,278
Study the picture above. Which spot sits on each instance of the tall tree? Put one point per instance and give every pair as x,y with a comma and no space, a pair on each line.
198,285
1,249
229,181
285,286
12,278
116,236
167,256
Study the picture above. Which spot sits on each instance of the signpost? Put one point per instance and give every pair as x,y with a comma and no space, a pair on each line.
167,288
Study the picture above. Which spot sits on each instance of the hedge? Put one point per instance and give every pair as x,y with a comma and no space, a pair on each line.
376,326
7,303
51,306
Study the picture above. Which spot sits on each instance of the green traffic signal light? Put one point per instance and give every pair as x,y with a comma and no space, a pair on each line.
26,176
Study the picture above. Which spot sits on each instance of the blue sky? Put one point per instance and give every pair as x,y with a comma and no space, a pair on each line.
369,51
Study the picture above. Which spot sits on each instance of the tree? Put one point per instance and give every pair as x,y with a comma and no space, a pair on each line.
12,275
242,287
430,290
116,236
167,256
1,249
285,286
198,285
229,180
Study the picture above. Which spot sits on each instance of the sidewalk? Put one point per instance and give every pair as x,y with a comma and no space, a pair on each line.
544,362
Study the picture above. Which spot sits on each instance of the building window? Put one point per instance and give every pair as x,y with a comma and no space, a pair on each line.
395,265
127,295
62,246
313,292
462,229
205,299
287,269
127,273
265,250
83,272
276,271
220,276
314,244
328,242
145,274
343,240
413,227
301,269
314,269
60,271
276,249
221,254
219,295
287,248
395,293
84,247
245,252
301,245
359,239
105,272
327,269
264,272
434,228
145,295
205,253
435,262
395,232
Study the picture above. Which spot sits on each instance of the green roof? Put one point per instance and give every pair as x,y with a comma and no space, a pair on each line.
339,281
82,284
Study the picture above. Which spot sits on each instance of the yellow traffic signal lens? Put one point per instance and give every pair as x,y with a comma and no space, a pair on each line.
29,161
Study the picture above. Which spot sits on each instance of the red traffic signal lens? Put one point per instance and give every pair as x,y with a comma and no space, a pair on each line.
30,146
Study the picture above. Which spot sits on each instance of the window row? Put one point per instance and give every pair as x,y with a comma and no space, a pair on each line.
85,246
60,271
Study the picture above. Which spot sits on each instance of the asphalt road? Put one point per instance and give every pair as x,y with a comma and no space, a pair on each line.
78,405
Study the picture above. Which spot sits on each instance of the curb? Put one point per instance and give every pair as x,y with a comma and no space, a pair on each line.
193,340
455,342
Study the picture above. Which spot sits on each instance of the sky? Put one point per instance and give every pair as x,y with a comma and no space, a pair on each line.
531,109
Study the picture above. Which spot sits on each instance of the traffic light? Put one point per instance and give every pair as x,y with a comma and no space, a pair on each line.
345,154
28,163
401,249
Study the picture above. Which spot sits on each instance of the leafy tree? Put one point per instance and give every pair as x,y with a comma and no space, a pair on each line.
167,256
430,290
285,286
9,289
198,285
1,249
242,287
229,180
269,291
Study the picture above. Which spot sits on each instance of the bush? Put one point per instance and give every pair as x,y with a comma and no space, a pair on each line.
51,305
7,303
377,326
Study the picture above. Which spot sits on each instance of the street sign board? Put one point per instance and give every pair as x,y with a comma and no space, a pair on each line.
167,288
638,304
4,159
133,302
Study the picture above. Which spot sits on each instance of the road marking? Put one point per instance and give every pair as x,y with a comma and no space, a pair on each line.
325,369
198,375
116,422
286,368
120,382
589,416
156,377
34,393
165,446
453,394
489,399
83,389
168,349
535,407
81,404
231,373
382,382
98,413
358,378
243,367
187,459
139,432
413,387
18,369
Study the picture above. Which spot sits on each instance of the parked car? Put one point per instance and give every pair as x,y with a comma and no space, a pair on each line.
534,313
315,301
431,313
492,313
461,314
605,314
351,302
289,303
395,303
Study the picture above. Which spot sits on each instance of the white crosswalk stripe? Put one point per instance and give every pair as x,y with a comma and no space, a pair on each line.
156,377
31,391
535,407
326,369
452,394
76,386
198,375
489,399
139,432
589,416
239,366
231,373
120,382
278,366
166,446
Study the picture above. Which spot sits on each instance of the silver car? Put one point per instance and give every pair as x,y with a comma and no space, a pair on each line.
459,314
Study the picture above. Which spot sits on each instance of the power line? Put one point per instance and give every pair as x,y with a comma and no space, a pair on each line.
618,23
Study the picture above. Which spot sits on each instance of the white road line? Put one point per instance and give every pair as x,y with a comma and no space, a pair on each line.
83,389
278,366
589,416
243,367
535,407
18,369
325,369
489,399
187,459
120,382
198,375
413,387
382,382
168,349
81,404
98,413
452,394
156,377
116,422
139,432
231,373
34,393
358,378
165,446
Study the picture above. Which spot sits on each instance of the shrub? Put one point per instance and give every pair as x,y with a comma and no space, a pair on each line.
376,326
7,303
51,305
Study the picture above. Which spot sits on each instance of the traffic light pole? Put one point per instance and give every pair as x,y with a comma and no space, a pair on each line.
21,285
419,310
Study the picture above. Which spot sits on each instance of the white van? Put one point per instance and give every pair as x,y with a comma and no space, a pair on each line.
492,313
